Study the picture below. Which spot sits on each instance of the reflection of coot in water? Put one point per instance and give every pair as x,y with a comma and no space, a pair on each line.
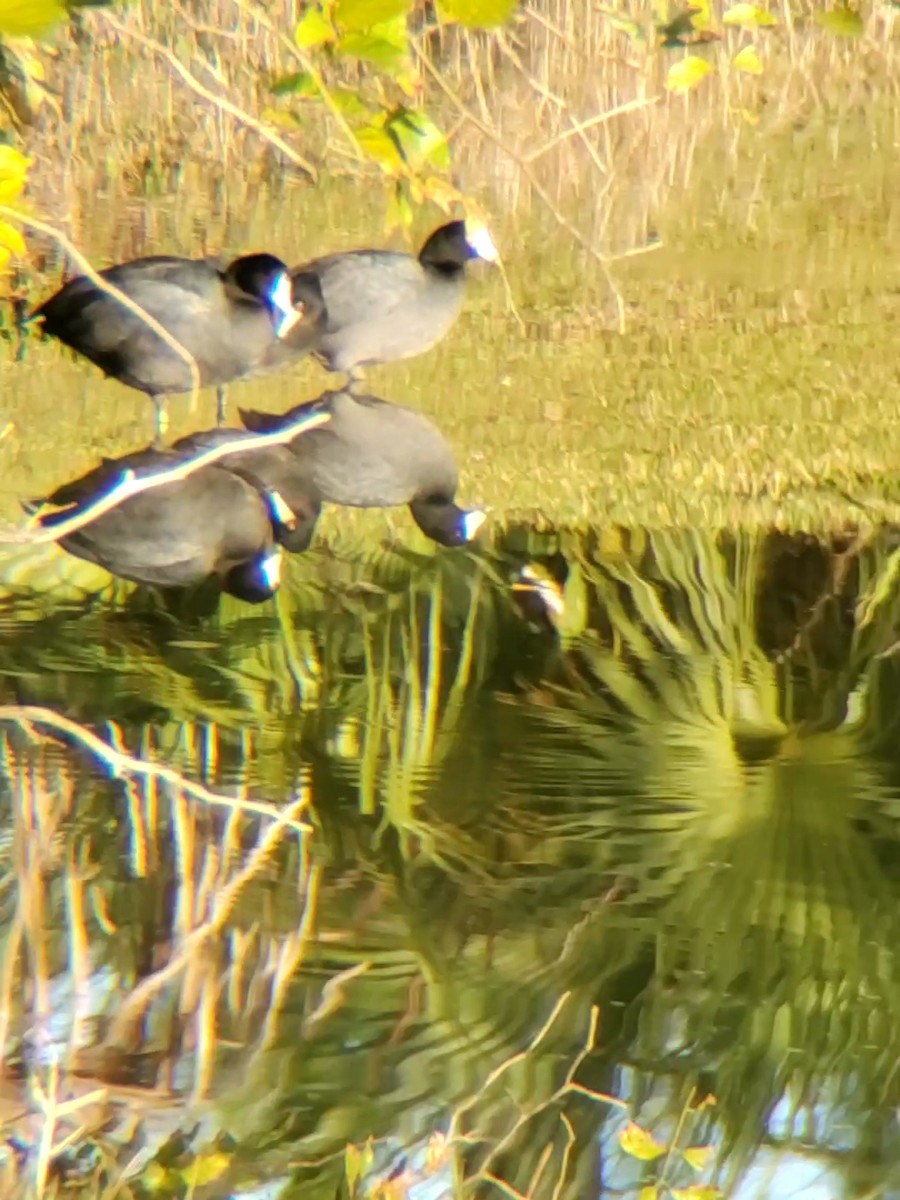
268,468
538,594
211,523
383,305
373,454
225,319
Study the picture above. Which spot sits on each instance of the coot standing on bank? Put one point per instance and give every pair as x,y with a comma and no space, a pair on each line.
226,319
383,305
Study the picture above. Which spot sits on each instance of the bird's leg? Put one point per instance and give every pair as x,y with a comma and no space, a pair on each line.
221,396
162,419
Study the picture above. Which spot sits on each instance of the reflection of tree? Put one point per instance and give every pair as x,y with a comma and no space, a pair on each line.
773,926
683,815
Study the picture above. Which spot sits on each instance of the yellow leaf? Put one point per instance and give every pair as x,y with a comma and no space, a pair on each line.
749,16
701,18
26,18
697,1191
11,243
639,1143
437,1152
155,1177
13,168
313,29
205,1168
476,14
442,193
697,1156
649,1193
685,75
378,145
352,1166
748,60
841,20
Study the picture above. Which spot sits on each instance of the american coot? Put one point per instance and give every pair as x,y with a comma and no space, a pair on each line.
225,319
211,523
373,454
382,305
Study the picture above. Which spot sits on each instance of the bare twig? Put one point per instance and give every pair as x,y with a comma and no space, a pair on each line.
132,485
239,114
26,716
110,289
138,999
309,66
525,167
578,128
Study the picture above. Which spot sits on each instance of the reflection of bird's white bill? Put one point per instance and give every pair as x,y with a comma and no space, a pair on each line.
270,569
532,580
472,522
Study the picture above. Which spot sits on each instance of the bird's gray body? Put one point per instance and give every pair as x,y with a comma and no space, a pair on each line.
382,306
227,334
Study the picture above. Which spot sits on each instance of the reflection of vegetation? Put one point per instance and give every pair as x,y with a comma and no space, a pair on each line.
682,815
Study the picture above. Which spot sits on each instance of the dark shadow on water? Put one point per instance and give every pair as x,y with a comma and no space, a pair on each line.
566,865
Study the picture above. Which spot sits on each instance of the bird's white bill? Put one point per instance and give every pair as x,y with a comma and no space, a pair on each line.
283,301
279,510
480,241
472,522
270,569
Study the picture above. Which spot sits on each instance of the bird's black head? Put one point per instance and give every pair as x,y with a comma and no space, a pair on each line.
256,580
451,246
266,278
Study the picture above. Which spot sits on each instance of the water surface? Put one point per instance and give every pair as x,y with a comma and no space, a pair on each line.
536,876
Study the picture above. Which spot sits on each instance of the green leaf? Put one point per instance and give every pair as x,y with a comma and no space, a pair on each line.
842,21
685,75
748,16
300,83
399,213
639,1143
355,15
476,14
313,29
386,45
348,103
419,139
27,18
